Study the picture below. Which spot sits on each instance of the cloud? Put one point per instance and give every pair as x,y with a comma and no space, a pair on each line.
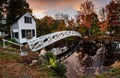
53,4
51,7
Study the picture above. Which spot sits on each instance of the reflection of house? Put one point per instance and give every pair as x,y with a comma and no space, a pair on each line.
24,28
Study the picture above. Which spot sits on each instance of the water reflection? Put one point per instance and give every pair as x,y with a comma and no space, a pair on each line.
92,59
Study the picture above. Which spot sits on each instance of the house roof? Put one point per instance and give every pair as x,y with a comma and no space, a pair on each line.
20,17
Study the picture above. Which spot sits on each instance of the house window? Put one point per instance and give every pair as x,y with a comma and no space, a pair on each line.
23,33
30,20
27,19
33,33
28,33
15,34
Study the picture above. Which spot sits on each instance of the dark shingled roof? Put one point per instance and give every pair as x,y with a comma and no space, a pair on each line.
20,17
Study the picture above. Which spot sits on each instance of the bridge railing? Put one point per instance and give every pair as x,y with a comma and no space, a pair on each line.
51,38
4,43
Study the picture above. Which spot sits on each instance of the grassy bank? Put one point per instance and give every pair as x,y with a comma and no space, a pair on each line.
11,66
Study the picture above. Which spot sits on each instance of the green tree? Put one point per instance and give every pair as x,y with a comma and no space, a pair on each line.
55,26
81,29
48,25
44,25
15,9
95,28
42,29
61,25
62,21
71,24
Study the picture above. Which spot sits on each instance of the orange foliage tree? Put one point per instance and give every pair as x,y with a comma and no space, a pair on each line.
113,10
87,17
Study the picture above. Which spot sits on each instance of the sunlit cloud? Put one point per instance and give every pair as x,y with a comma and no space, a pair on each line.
52,7
38,13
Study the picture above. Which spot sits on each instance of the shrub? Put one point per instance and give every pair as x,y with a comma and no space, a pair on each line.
1,37
56,66
52,62
49,55
101,75
85,77
60,68
13,40
114,71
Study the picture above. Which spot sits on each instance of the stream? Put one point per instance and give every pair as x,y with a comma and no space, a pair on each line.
82,63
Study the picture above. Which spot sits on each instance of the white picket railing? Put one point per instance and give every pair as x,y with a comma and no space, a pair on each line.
49,39
4,45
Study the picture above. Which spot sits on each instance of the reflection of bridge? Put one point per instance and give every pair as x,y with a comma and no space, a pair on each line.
49,39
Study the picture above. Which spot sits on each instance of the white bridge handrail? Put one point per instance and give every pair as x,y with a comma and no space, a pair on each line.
12,42
48,39
4,40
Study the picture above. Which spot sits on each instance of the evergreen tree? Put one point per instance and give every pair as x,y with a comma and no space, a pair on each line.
95,28
15,9
3,4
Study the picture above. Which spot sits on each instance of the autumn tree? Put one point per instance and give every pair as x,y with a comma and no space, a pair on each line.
84,11
41,28
71,24
113,10
59,16
88,18
45,25
103,19
102,14
48,24
61,25
62,21
81,29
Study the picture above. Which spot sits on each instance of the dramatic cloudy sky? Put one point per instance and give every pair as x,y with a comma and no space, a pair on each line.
51,7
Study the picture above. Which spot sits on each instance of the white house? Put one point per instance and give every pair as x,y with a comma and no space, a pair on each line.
24,28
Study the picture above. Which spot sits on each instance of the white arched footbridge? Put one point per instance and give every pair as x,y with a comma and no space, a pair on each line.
51,38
